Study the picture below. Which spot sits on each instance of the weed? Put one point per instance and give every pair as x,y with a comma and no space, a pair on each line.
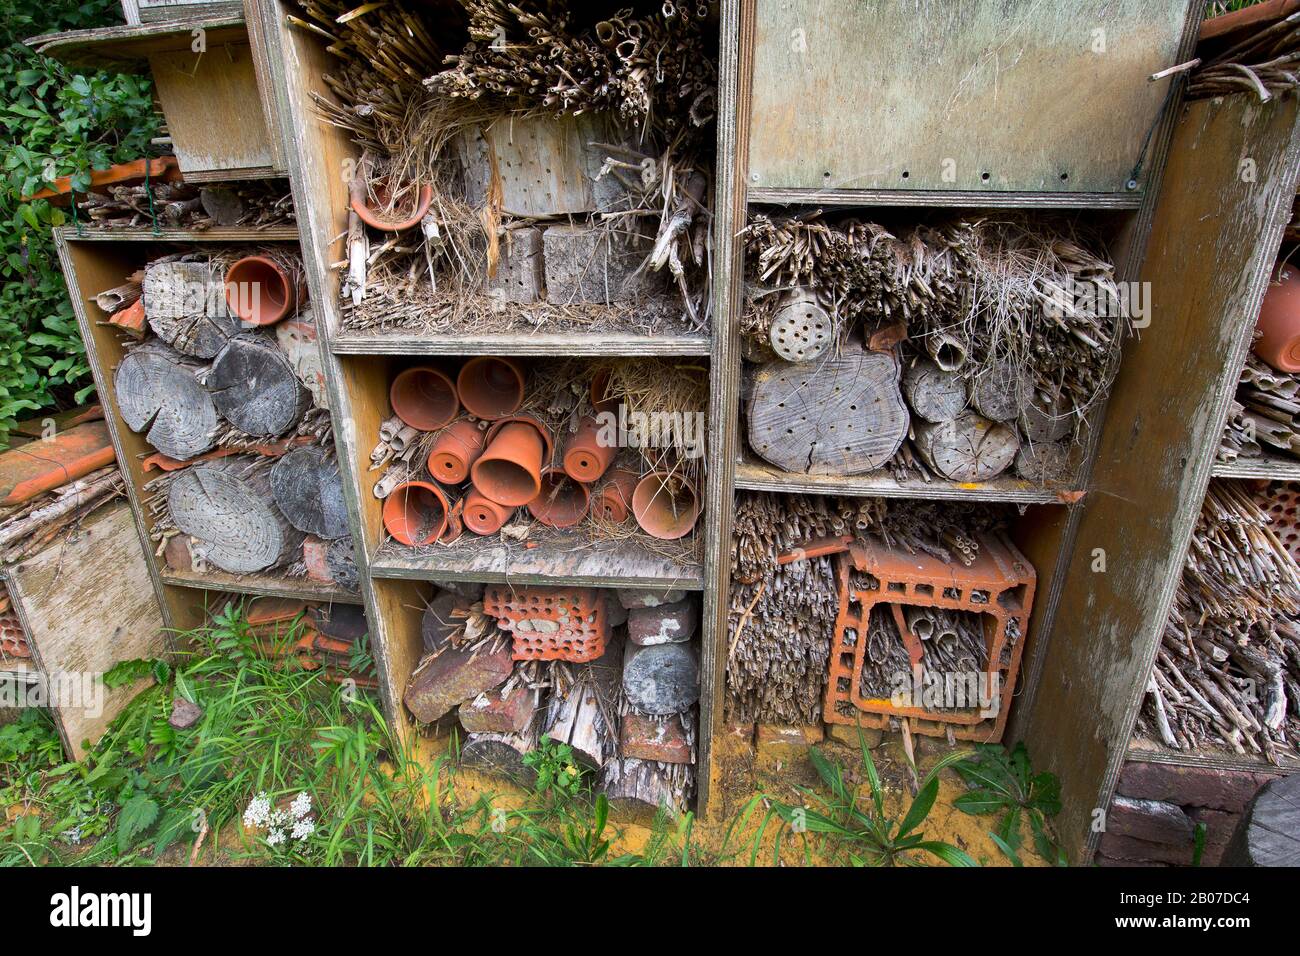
1002,782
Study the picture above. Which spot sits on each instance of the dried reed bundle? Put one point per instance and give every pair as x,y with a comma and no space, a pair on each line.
1228,670
1267,63
1265,413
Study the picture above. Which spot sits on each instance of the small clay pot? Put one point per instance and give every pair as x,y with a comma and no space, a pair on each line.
491,387
482,515
586,457
613,501
456,448
599,385
416,513
372,215
424,398
665,506
509,471
259,290
562,502
1279,324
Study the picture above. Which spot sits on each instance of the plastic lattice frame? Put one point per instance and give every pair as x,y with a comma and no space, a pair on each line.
549,624
1280,500
999,585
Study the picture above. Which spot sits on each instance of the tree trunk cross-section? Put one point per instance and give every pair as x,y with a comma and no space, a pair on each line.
309,490
256,388
227,505
841,415
158,390
185,305
968,448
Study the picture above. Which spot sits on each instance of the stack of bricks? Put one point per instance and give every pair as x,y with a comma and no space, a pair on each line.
1157,808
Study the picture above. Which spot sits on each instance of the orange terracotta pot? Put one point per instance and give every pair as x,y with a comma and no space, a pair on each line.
613,501
424,398
1279,324
416,513
509,471
586,457
562,502
259,290
455,450
483,515
491,387
372,215
665,507
599,386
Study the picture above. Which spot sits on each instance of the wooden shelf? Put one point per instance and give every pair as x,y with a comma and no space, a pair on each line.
119,48
1215,758
288,233
756,476
528,343
784,196
1265,466
19,669
558,558
260,585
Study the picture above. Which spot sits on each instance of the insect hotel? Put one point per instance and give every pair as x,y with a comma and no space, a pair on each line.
683,383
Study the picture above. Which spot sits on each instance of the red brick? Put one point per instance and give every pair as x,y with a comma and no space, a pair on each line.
647,738
490,713
1127,848
314,552
1109,861
1227,790
1219,824
451,677
176,555
665,624
1152,820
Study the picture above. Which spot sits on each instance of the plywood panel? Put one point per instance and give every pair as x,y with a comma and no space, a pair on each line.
1217,227
951,95
86,603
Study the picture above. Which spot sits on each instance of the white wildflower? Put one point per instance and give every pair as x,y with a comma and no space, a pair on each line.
275,837
279,818
303,829
301,805
258,813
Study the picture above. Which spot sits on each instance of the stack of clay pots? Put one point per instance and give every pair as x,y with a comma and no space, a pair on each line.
490,459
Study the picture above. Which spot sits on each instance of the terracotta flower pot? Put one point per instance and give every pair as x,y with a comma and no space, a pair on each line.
424,398
1279,323
613,501
586,457
562,502
665,506
373,216
483,515
455,450
491,387
599,385
259,290
509,471
416,512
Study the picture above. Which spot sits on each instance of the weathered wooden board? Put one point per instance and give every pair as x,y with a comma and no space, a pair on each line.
1214,236
86,603
539,343
976,95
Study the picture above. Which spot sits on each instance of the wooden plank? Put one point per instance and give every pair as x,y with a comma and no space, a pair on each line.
86,604
755,475
984,199
1264,467
128,47
213,110
837,108
152,11
1214,237
567,344
1214,758
265,585
556,558
215,234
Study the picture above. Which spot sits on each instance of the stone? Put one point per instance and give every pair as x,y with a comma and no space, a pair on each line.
665,624
781,745
1152,820
315,555
521,270
583,265
185,714
650,738
848,735
1217,789
1118,847
176,554
1219,824
647,597
490,713
444,680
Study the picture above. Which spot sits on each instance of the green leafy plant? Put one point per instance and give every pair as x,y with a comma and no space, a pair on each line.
558,773
868,836
1003,782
